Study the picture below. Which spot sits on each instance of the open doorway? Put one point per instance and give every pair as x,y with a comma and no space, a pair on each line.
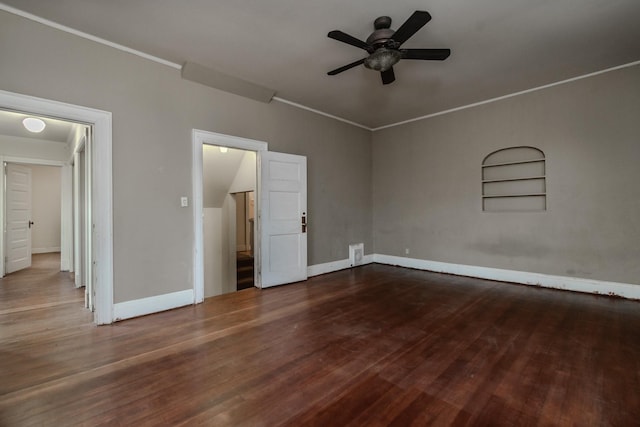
100,255
229,185
245,240
46,198
280,248
37,272
32,219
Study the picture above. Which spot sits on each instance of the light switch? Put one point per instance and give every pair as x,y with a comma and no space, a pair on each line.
184,202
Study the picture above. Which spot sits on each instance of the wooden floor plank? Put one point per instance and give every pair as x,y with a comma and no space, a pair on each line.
370,346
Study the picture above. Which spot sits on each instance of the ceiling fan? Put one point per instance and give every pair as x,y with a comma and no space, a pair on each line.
383,46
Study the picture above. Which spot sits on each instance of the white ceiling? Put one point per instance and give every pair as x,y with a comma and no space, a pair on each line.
498,46
55,131
218,173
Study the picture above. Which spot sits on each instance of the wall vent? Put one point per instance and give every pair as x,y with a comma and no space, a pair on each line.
356,254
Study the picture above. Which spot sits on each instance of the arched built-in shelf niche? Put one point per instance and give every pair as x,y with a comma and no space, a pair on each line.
514,180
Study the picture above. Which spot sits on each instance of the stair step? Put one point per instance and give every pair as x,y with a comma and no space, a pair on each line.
244,283
244,271
245,263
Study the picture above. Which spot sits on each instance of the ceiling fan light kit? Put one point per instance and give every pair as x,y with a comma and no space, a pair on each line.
382,59
383,46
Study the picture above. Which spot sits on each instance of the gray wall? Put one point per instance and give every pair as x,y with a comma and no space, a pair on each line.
427,192
154,111
425,175
45,208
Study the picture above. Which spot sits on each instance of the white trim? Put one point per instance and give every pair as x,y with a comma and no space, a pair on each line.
149,305
45,250
66,218
87,36
3,214
199,138
330,267
625,290
78,268
31,161
322,113
198,222
102,185
213,138
153,58
511,95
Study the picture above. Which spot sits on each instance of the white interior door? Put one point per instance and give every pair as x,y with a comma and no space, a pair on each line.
18,199
283,206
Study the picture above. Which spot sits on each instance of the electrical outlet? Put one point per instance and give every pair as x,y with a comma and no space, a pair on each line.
406,251
184,202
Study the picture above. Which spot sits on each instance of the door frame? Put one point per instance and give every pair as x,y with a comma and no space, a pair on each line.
199,138
101,159
78,212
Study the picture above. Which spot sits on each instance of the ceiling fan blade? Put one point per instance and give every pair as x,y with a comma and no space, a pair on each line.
388,76
429,54
410,26
346,67
346,38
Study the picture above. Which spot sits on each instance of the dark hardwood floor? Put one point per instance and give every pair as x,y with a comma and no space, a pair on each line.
370,346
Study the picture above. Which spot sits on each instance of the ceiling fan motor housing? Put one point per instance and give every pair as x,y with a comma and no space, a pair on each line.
382,34
380,38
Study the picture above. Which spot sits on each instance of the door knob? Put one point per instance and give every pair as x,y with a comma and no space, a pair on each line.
31,223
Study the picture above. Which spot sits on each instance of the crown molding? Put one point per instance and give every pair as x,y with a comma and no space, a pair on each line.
176,66
511,95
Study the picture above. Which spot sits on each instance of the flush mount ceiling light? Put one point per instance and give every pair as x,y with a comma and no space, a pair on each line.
223,149
33,125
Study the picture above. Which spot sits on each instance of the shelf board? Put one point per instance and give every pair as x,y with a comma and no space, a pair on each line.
520,162
485,181
514,195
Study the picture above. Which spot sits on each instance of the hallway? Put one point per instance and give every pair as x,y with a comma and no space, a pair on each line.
42,294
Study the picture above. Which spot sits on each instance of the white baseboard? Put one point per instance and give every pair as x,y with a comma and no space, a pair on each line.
144,306
625,290
330,267
44,250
